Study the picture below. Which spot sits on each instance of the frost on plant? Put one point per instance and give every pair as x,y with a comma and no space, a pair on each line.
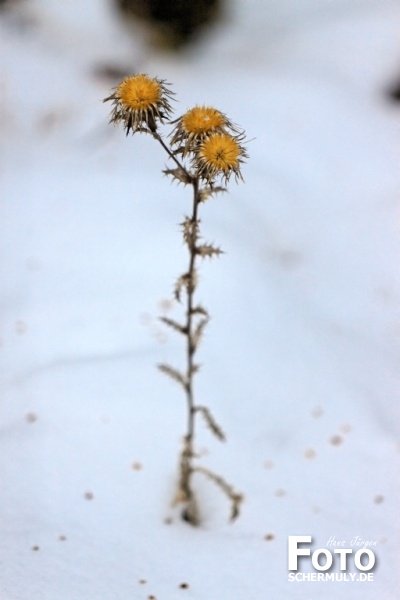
205,149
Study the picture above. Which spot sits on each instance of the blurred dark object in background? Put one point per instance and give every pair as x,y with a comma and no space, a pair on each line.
172,23
394,92
6,3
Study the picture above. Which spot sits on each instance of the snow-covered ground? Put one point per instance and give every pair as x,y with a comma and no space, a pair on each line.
301,358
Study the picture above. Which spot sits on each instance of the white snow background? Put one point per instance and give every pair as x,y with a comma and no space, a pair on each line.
300,359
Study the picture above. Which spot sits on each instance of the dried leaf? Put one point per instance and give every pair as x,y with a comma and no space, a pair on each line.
211,422
208,250
192,281
173,373
174,325
195,368
179,175
207,192
190,231
199,310
198,332
237,500
181,283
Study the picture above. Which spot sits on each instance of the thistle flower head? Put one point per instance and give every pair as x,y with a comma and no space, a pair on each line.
197,124
139,101
219,155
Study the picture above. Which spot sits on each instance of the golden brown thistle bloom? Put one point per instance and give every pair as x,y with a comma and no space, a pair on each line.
219,155
197,124
138,101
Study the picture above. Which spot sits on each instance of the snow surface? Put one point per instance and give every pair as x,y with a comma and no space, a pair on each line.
300,360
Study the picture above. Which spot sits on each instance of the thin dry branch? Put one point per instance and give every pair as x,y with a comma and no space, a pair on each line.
235,498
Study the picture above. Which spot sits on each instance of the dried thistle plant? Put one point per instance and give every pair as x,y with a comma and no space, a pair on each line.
206,149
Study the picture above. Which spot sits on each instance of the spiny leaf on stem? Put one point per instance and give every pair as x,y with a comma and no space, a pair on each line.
179,175
211,422
198,332
174,374
179,285
199,310
208,250
207,192
195,368
174,325
190,231
186,281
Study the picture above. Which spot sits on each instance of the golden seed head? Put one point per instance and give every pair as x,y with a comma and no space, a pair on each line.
202,120
139,101
198,123
221,154
222,151
139,92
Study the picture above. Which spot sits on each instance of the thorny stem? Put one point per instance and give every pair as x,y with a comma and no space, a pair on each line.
189,313
186,469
